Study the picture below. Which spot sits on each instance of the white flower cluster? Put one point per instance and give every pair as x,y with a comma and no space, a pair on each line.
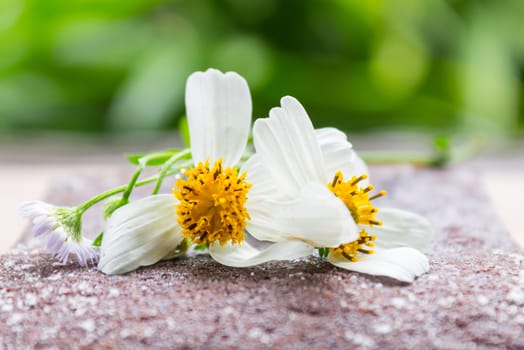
301,190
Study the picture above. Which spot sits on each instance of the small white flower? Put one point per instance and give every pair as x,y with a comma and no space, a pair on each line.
60,229
293,161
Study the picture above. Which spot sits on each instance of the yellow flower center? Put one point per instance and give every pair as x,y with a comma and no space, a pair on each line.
212,204
358,202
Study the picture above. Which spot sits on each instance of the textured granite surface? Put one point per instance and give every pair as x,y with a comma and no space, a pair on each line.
473,297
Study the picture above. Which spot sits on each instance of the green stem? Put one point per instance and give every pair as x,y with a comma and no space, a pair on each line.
131,184
89,203
166,168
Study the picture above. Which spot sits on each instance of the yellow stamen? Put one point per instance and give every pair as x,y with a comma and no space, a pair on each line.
358,202
378,195
351,250
212,204
357,180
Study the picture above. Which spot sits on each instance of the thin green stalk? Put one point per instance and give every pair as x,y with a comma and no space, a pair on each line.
167,166
131,184
100,197
89,203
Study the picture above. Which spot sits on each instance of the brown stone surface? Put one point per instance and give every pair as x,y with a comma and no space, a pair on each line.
473,297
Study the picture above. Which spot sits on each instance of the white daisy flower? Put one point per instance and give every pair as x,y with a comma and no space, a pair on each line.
211,203
292,159
60,229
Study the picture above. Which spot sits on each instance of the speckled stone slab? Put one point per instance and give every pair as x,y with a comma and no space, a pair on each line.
473,297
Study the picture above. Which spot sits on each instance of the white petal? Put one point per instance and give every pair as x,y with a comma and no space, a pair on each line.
287,144
316,216
33,209
218,108
56,240
329,134
243,255
83,250
403,264
140,234
339,155
401,228
258,176
359,167
43,225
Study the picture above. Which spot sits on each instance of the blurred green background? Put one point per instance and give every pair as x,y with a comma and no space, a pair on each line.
100,66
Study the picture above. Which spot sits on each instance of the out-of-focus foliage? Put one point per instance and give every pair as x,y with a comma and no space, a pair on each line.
99,65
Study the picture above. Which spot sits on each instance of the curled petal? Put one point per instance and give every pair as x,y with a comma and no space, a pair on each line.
401,228
315,216
403,264
339,155
218,110
331,135
140,234
244,255
286,141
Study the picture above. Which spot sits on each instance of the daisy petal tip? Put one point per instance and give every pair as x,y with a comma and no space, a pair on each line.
236,78
218,108
402,264
289,101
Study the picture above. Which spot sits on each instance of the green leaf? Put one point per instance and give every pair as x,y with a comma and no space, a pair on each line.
154,158
323,252
183,126
441,143
204,246
98,240
442,146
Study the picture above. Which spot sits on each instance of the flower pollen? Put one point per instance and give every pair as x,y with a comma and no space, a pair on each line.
358,202
212,204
